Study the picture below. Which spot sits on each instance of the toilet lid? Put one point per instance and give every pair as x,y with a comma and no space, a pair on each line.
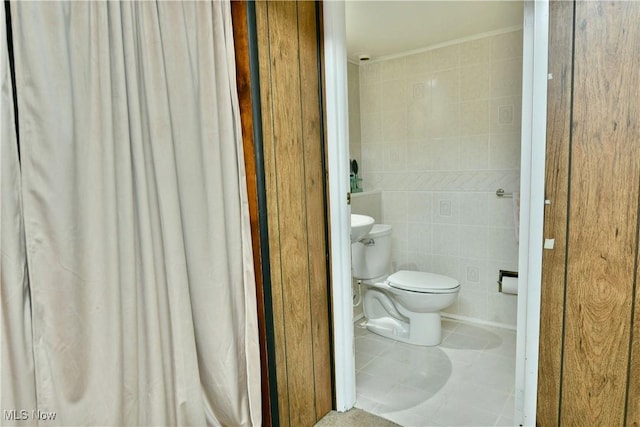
418,281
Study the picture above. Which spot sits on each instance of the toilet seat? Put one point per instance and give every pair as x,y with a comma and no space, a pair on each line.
422,282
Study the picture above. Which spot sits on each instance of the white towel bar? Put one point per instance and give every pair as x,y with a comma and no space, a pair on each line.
500,193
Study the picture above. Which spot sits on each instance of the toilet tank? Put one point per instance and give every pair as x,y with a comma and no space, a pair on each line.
371,256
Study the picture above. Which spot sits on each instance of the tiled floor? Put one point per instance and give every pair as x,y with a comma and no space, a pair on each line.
468,380
353,418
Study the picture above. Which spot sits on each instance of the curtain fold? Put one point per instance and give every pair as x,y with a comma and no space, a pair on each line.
135,216
17,391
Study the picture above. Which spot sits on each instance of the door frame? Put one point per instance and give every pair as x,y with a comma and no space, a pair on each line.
532,174
337,140
532,201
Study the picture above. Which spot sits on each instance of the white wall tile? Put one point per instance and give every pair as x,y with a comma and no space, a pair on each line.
503,308
507,45
419,122
398,258
394,95
419,63
419,237
399,239
447,266
445,120
372,157
394,207
468,269
395,156
506,114
371,128
446,240
474,152
445,208
473,241
444,153
394,125
419,156
506,78
418,89
475,117
475,82
369,73
419,207
392,69
440,134
370,99
501,212
472,303
372,180
502,245
474,208
445,58
445,87
417,261
475,51
504,151
355,127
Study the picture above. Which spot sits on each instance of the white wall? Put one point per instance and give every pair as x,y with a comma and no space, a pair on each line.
440,133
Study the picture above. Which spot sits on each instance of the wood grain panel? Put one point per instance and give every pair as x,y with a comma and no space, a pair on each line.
555,217
243,81
314,180
633,394
605,171
293,151
287,130
262,23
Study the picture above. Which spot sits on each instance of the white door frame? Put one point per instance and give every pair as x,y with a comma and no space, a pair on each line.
532,177
534,109
337,134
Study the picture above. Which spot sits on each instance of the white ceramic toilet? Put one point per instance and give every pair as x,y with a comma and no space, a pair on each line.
405,305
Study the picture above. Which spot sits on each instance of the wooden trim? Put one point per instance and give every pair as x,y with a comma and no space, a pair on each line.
243,81
555,222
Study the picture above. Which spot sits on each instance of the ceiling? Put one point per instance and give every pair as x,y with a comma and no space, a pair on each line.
382,28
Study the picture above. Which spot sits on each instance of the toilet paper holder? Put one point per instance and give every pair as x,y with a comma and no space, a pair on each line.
505,273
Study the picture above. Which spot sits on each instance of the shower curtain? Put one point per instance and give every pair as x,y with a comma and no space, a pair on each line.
127,284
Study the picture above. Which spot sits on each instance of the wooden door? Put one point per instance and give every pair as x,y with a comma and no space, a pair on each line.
590,332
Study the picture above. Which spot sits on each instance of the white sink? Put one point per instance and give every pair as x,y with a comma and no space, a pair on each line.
361,225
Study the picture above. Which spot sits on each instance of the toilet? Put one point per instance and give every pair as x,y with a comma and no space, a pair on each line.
405,305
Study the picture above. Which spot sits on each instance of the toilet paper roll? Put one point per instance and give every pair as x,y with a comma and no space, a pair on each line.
510,285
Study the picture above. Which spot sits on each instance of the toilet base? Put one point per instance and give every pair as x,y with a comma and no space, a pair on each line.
423,329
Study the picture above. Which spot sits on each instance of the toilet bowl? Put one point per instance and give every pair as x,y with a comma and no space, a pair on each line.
405,305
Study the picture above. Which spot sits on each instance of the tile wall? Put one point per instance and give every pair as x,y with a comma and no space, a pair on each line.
353,85
440,133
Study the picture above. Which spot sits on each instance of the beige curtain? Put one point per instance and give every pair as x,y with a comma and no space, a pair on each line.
128,294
